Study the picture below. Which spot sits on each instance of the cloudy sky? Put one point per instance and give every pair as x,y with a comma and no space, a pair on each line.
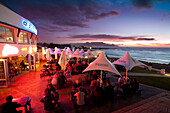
121,22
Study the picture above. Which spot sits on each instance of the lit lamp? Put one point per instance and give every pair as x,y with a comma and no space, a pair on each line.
86,56
30,50
35,49
95,56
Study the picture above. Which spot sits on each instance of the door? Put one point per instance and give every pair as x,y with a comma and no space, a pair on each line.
4,78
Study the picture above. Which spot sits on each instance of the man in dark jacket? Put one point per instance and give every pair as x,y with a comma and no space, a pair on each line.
10,107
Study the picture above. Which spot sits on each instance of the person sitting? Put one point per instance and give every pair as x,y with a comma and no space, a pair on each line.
98,93
10,107
67,73
134,85
126,89
45,71
48,101
58,67
77,84
109,92
69,67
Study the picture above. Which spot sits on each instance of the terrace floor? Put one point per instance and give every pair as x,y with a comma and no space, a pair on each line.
30,84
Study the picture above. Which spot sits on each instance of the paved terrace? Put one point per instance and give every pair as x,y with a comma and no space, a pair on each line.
30,84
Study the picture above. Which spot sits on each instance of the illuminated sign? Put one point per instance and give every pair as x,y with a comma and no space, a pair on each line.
9,50
28,25
30,50
24,49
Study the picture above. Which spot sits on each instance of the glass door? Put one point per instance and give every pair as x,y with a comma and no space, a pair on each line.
4,79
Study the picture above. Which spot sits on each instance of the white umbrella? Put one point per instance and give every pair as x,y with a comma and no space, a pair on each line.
76,54
63,60
128,62
48,54
102,63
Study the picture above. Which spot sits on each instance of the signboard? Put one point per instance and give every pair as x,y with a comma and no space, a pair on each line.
29,26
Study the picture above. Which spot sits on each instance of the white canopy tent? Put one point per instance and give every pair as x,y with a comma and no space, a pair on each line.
128,62
88,55
63,60
68,51
57,51
76,54
102,63
51,52
81,52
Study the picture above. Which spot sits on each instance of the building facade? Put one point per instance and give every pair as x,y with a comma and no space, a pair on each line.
18,45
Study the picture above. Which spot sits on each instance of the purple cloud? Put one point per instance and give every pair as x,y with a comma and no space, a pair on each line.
145,3
61,13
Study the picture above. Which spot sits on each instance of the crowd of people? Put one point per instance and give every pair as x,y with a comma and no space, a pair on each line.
95,93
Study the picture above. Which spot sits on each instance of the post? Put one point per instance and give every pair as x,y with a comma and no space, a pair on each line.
56,53
126,73
29,61
6,73
43,53
101,79
34,62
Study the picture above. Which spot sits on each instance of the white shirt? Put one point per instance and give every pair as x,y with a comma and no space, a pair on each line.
80,98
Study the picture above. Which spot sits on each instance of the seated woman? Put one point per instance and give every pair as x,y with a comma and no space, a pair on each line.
48,101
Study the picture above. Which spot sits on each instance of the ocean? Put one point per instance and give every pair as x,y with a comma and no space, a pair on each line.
152,54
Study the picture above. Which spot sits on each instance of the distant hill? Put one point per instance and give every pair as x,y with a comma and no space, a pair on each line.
93,44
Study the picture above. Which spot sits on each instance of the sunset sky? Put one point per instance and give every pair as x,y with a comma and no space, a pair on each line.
120,22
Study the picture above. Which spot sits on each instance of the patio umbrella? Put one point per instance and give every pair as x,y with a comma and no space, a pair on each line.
128,62
103,64
48,54
63,60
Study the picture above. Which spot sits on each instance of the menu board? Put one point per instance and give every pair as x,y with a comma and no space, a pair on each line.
2,71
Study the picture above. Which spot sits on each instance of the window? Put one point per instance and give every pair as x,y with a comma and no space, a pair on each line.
6,34
32,39
23,37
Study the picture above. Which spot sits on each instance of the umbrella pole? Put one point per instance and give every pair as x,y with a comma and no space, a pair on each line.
126,73
101,79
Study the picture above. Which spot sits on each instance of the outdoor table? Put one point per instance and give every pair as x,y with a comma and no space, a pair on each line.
24,101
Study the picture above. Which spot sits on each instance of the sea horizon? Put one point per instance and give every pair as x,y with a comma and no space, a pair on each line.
147,54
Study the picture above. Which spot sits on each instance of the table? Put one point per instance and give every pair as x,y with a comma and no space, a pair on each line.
24,101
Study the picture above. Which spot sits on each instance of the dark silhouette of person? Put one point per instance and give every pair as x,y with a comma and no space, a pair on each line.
22,64
10,107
